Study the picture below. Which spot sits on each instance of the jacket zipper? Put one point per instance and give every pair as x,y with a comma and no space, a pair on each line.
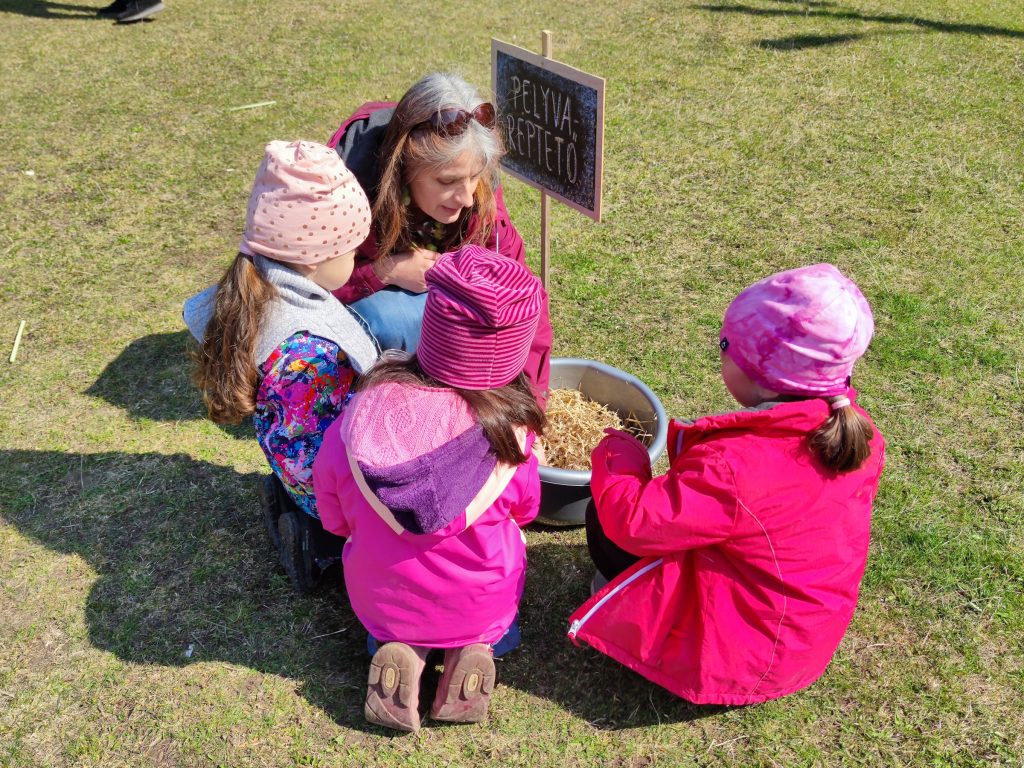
575,627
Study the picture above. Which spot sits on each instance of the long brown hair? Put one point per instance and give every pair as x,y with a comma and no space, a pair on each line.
225,369
843,442
499,411
408,148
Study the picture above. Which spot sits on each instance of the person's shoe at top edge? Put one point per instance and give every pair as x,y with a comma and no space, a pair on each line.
137,10
116,8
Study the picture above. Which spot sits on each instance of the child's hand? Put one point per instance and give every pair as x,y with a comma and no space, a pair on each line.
620,449
624,442
406,269
612,432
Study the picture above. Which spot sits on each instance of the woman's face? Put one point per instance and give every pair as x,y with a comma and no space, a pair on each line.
443,193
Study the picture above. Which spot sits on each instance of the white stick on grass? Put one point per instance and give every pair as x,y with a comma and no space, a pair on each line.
17,341
252,106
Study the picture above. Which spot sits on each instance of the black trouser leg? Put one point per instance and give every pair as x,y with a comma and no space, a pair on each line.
610,558
326,546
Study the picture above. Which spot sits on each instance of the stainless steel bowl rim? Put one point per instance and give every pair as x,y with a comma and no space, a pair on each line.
558,476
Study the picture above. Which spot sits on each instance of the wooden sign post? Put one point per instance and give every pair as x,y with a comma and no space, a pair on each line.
552,120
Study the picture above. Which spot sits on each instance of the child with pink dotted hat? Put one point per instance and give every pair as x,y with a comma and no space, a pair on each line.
276,345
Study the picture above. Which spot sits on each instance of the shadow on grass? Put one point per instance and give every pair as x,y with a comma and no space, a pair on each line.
47,10
183,562
807,3
815,10
800,42
579,679
149,379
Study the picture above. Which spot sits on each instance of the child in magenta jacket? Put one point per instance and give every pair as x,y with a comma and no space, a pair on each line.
429,476
735,575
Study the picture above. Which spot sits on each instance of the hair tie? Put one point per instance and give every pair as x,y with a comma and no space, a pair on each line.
839,402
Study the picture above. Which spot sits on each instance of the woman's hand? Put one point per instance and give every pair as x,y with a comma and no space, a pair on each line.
406,269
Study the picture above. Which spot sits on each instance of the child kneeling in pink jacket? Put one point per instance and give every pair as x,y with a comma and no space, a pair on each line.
429,476
734,576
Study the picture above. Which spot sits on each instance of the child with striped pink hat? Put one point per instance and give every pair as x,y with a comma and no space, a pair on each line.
430,475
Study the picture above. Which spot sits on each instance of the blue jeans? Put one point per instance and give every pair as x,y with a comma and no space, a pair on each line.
508,642
394,317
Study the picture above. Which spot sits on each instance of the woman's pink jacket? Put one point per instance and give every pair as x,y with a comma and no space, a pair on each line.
366,129
752,555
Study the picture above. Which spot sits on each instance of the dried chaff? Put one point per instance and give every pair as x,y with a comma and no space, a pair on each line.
576,424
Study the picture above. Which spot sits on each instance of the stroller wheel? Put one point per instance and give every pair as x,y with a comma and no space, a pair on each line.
296,552
270,506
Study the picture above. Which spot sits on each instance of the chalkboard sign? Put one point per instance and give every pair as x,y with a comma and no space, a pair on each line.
552,121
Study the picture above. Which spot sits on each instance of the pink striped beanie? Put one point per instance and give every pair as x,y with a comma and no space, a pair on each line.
479,320
306,206
799,331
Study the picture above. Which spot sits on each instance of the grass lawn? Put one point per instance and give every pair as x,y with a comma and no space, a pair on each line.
741,138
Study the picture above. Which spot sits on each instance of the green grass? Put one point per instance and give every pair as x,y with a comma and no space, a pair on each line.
741,138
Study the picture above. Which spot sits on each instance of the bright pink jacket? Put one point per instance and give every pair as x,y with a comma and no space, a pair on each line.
444,565
752,555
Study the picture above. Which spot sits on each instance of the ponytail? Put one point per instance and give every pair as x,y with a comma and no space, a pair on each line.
225,369
842,443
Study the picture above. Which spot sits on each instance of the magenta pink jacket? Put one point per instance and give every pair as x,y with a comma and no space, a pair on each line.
752,555
434,553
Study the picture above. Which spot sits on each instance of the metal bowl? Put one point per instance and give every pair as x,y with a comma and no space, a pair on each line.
565,493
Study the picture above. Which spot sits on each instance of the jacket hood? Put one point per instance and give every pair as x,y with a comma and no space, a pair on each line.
422,455
301,304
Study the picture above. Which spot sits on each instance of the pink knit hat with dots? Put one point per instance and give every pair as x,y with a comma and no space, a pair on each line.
305,207
479,320
800,331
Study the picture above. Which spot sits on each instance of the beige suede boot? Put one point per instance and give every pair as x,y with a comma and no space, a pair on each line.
464,690
393,688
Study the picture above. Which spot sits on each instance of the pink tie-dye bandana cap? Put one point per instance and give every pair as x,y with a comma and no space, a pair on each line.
799,331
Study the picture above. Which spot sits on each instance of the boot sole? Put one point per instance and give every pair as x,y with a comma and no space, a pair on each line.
392,689
291,552
464,693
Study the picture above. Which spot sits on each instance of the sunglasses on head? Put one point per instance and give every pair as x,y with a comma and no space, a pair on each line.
453,121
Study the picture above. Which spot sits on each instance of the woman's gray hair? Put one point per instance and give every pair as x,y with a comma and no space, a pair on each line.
443,90
411,146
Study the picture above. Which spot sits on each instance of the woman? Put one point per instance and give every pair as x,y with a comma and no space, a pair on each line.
430,168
